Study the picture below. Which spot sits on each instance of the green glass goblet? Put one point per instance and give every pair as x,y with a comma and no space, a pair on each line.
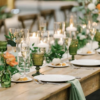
37,59
97,38
3,46
73,48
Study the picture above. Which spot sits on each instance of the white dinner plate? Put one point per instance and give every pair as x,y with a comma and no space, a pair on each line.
98,50
85,54
29,80
54,78
86,62
50,65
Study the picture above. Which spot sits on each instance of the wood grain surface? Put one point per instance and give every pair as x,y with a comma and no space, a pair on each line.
90,81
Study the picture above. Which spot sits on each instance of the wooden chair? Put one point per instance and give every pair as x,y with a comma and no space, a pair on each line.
33,17
48,14
64,8
2,23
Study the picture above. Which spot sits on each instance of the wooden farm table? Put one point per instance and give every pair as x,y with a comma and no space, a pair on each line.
90,81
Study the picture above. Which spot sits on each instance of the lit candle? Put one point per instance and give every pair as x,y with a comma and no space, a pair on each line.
43,45
58,34
52,42
60,42
83,28
34,39
71,28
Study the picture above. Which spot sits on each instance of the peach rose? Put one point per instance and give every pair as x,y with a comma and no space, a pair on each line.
98,6
10,59
13,63
7,55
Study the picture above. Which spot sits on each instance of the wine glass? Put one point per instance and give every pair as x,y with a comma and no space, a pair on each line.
42,24
25,54
68,40
21,35
12,32
92,34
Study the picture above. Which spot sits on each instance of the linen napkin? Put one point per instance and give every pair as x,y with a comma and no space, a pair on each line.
76,92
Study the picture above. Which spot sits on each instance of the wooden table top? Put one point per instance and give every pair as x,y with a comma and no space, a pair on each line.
34,91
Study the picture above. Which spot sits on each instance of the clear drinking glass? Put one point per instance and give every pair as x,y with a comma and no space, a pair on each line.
68,40
92,34
92,28
42,24
12,31
25,54
23,36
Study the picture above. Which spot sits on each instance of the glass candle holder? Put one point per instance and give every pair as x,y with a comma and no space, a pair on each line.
59,26
34,38
37,59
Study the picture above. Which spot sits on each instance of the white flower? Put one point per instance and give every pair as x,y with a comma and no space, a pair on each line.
60,42
95,11
79,34
94,1
91,6
64,55
52,42
87,31
56,61
82,37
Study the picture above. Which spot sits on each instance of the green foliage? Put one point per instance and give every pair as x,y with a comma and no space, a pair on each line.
81,43
10,36
35,49
3,14
13,70
83,20
94,17
56,52
1,67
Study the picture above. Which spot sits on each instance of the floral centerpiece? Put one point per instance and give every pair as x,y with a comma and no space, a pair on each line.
88,9
88,13
8,61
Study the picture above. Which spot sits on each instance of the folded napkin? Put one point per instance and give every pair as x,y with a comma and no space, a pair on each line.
76,92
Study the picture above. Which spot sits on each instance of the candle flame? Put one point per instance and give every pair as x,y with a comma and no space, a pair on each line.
34,35
41,41
61,39
71,25
58,32
84,26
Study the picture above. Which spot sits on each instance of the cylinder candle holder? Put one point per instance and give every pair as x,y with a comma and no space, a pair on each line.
37,59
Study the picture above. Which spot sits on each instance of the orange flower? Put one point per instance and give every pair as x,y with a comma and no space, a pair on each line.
8,55
7,61
98,6
13,63
10,59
